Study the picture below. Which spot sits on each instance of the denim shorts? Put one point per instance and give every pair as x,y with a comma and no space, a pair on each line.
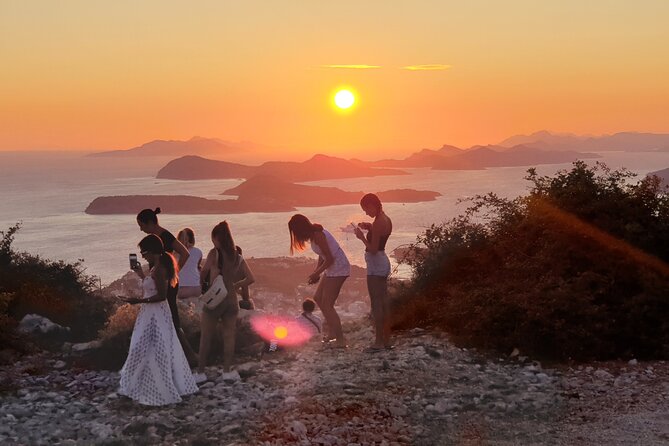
378,264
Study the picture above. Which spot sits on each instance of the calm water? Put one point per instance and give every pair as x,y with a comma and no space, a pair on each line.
48,193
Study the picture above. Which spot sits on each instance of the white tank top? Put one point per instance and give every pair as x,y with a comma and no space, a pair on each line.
189,275
149,287
341,267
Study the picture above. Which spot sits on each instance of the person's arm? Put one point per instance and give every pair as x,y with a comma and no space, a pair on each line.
206,268
377,228
180,249
139,270
327,258
248,279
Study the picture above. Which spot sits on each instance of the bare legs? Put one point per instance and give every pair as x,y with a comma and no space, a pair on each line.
208,325
378,291
228,330
325,296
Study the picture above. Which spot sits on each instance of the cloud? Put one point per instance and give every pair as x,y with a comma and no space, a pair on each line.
427,67
352,67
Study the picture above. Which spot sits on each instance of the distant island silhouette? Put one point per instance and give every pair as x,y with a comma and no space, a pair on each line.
318,167
258,194
197,145
482,157
623,141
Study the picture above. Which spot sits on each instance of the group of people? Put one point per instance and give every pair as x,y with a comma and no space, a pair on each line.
157,369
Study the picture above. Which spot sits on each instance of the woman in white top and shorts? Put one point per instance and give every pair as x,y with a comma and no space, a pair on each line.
189,274
378,266
332,263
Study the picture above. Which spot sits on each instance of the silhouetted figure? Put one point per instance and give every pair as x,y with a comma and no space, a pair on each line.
147,220
223,259
332,261
309,320
378,266
156,371
189,274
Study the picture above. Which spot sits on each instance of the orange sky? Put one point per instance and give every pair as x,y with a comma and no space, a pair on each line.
108,75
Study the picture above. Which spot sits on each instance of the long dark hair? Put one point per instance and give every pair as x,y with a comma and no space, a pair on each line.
153,244
301,230
221,232
148,216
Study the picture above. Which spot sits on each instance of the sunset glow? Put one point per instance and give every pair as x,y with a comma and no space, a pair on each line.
92,76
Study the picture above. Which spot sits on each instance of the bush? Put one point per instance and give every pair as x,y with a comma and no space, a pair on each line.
575,269
57,290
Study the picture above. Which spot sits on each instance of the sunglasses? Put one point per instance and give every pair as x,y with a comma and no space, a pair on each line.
144,252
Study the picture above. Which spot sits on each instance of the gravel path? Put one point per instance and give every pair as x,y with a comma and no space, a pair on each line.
423,392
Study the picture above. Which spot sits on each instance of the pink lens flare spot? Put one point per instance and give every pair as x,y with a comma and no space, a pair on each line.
285,331
280,332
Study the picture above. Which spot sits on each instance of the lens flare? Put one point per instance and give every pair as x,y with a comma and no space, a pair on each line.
285,331
280,332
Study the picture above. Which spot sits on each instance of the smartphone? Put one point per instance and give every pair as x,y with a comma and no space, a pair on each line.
134,264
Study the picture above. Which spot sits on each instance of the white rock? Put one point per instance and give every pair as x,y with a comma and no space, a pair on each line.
298,428
84,346
632,362
34,323
59,365
602,374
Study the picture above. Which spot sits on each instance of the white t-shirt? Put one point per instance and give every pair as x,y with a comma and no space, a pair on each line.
189,275
312,323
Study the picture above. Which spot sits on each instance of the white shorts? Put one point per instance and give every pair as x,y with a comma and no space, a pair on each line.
378,264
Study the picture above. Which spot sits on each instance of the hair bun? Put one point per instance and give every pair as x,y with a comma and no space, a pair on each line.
157,211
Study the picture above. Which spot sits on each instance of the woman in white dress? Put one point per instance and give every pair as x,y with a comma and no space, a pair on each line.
332,261
156,371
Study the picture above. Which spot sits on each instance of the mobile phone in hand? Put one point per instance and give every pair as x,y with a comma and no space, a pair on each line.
134,264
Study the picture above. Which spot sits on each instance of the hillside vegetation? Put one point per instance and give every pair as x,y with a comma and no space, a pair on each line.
57,290
575,269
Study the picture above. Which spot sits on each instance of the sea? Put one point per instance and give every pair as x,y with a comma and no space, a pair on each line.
47,193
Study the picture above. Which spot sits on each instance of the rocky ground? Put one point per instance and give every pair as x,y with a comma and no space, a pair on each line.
423,392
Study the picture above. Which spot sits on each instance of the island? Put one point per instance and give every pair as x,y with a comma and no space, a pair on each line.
261,193
319,167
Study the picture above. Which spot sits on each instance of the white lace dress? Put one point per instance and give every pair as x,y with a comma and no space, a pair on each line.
156,371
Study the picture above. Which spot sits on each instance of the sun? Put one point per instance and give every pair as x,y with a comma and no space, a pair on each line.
344,99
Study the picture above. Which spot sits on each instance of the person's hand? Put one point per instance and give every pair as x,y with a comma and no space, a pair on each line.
313,278
139,271
358,233
130,300
367,226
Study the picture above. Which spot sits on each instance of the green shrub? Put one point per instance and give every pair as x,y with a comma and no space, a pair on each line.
575,269
57,290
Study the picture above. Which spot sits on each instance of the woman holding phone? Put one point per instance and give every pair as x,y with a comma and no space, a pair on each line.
156,371
378,266
147,220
